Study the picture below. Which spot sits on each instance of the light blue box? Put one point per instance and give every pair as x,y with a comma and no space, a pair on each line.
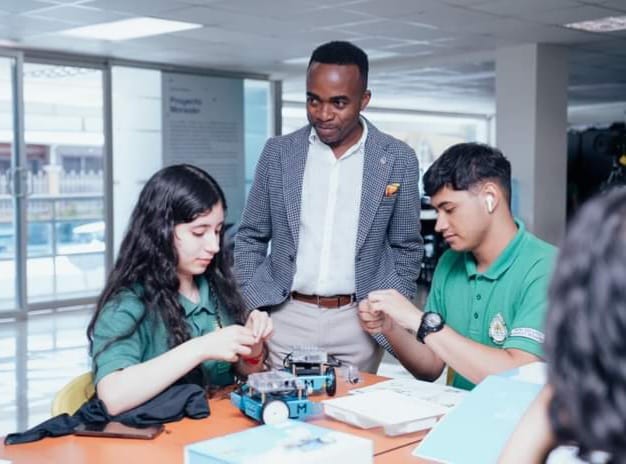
285,443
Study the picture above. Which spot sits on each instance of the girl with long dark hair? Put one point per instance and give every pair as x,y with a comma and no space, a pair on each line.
584,403
170,309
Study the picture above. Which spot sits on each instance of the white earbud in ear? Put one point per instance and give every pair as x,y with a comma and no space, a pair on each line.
489,201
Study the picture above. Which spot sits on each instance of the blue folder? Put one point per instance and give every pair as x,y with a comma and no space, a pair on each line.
476,430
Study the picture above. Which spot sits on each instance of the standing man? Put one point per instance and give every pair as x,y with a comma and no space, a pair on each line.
486,306
339,202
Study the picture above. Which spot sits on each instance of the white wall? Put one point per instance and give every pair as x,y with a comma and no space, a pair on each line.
137,141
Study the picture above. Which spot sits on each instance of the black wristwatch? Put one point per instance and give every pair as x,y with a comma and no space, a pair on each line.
431,322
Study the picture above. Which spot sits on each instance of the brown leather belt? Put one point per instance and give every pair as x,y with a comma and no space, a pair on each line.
329,302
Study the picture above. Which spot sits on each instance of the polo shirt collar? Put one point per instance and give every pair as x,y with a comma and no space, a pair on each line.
203,289
503,261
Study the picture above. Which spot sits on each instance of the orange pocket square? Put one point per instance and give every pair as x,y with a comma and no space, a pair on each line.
392,190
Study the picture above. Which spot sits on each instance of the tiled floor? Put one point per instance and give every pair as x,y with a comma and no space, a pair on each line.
40,355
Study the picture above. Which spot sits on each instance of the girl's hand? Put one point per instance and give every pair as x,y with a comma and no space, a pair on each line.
227,344
260,324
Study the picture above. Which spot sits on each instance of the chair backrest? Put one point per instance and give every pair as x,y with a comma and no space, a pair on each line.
450,376
72,396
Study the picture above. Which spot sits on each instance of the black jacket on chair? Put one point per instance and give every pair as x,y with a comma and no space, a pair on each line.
178,401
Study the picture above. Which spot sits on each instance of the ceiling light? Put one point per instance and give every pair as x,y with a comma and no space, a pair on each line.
127,29
608,24
299,60
8,43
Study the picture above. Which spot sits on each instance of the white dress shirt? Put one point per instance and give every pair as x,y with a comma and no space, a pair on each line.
329,218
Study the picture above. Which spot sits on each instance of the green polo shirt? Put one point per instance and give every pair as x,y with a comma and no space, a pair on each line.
503,307
149,340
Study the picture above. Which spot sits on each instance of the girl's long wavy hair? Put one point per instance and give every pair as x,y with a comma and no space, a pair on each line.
147,256
586,330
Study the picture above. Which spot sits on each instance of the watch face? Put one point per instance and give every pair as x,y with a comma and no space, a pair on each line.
432,319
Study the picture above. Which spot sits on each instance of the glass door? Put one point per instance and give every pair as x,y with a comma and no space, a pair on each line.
12,187
64,144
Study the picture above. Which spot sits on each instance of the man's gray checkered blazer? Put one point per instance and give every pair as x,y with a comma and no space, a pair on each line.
389,245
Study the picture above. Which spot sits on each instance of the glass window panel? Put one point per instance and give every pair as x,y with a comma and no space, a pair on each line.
7,234
40,239
40,210
258,120
8,274
75,237
63,119
79,275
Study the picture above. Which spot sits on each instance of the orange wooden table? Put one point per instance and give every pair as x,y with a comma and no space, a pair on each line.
168,447
401,455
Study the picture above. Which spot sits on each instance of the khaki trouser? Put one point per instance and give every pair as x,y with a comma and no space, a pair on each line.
336,330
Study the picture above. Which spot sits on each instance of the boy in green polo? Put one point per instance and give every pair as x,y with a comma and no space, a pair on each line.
486,307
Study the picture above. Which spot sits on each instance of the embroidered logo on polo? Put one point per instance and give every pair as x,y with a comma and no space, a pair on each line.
527,332
222,367
498,332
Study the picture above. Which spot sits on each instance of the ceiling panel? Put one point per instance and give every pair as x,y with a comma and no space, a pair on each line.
465,2
67,2
20,27
70,44
173,43
274,9
394,8
209,3
454,19
398,30
619,5
519,30
418,49
523,8
240,43
138,7
21,6
216,35
314,37
425,49
576,14
474,41
233,21
339,3
380,43
325,18
78,15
